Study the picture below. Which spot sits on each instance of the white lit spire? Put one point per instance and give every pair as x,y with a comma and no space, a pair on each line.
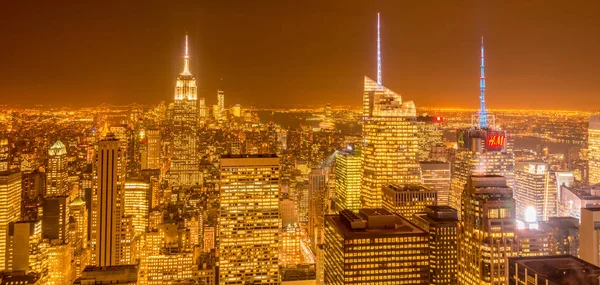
379,81
186,59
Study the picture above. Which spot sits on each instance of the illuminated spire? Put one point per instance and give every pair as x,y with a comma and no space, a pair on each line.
186,59
379,81
482,109
105,129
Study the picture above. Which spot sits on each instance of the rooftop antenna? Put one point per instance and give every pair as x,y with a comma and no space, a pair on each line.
379,81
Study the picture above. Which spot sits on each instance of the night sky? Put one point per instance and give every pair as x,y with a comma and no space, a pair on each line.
539,54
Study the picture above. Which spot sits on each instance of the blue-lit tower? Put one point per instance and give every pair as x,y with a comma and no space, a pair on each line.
482,110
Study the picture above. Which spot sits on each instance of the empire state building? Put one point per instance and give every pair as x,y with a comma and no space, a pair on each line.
184,169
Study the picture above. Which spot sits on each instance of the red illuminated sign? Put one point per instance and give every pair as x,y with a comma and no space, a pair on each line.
496,141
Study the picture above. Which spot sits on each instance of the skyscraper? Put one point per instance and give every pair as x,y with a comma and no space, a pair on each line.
347,179
390,142
57,172
594,148
407,200
317,193
249,223
107,202
55,222
533,191
221,104
4,154
563,235
482,150
10,207
441,222
374,247
185,167
557,269
589,235
136,204
437,175
154,147
25,252
486,230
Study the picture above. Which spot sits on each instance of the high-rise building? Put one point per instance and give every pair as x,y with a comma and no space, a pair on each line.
556,269
166,269
236,110
533,191
594,149
431,138
441,222
249,223
59,264
202,111
317,193
57,173
185,167
25,251
55,221
374,247
10,207
486,230
4,154
559,179
290,249
481,149
437,176
390,142
153,149
589,235
136,204
347,179
107,202
563,235
79,216
574,198
407,200
221,103
531,242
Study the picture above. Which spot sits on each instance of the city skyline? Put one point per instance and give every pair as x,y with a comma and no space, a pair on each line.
435,61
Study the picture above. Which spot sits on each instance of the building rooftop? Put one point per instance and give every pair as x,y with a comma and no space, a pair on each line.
378,223
560,268
408,188
488,184
19,278
58,148
268,155
588,192
441,213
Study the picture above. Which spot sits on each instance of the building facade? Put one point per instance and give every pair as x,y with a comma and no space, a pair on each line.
374,247
390,144
441,222
589,235
185,166
437,175
57,171
249,223
10,207
594,149
533,190
407,200
347,179
107,208
486,231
